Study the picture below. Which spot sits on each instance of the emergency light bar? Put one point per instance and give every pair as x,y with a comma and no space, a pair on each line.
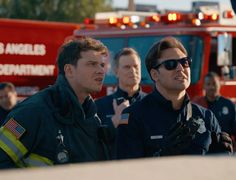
135,21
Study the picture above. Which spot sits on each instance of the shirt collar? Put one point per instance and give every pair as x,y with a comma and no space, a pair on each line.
124,94
167,103
70,108
212,102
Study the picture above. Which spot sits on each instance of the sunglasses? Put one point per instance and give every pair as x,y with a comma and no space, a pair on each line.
172,64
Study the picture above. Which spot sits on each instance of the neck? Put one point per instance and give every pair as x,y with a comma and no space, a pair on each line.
131,90
81,97
175,97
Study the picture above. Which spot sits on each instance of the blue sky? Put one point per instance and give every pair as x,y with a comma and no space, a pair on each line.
168,4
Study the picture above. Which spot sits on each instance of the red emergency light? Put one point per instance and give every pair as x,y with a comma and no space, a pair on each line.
214,17
172,17
205,18
228,14
113,20
154,18
88,21
126,20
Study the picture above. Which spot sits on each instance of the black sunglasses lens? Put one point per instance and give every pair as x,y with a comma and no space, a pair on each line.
185,62
170,64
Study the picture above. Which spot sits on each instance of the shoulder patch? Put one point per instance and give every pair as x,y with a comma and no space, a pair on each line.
15,128
124,118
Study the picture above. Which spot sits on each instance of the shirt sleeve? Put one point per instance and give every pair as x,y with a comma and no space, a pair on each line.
214,124
18,136
234,119
5,161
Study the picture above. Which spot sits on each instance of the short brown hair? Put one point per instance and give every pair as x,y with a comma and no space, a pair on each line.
69,53
9,85
211,74
155,51
123,52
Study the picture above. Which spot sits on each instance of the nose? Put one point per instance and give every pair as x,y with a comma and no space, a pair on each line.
212,87
101,69
133,69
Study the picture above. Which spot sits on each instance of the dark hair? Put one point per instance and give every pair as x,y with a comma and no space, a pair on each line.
69,53
9,85
155,51
123,52
211,74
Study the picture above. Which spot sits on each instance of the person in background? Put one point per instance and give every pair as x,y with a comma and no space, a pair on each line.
223,108
8,99
59,125
165,122
127,68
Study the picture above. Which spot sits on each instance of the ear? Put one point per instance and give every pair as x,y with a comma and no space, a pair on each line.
154,74
68,69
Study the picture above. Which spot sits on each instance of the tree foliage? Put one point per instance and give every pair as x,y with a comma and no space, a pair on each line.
53,10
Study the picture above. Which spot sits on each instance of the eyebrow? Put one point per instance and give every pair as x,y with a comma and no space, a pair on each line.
92,61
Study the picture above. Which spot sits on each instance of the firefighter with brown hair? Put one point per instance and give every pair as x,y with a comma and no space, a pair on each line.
59,125
165,122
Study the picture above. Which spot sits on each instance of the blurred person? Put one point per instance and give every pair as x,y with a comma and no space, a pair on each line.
59,124
165,122
127,68
8,99
223,108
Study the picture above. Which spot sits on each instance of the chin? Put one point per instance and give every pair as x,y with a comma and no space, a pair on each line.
184,84
132,83
182,87
95,90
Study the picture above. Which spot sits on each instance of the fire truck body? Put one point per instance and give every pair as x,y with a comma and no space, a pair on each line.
201,41
28,51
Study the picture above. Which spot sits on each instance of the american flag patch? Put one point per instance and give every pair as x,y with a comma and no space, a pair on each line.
15,128
124,118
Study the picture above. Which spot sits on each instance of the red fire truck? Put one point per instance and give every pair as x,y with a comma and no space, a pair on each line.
211,45
28,51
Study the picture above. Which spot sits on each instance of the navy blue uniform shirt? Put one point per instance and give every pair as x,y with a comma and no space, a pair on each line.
149,122
3,115
105,112
225,112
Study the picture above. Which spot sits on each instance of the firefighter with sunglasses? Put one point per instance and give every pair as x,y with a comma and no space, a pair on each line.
165,122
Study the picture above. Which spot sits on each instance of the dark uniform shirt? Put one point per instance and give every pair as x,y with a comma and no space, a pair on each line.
105,112
150,121
3,115
58,129
224,110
